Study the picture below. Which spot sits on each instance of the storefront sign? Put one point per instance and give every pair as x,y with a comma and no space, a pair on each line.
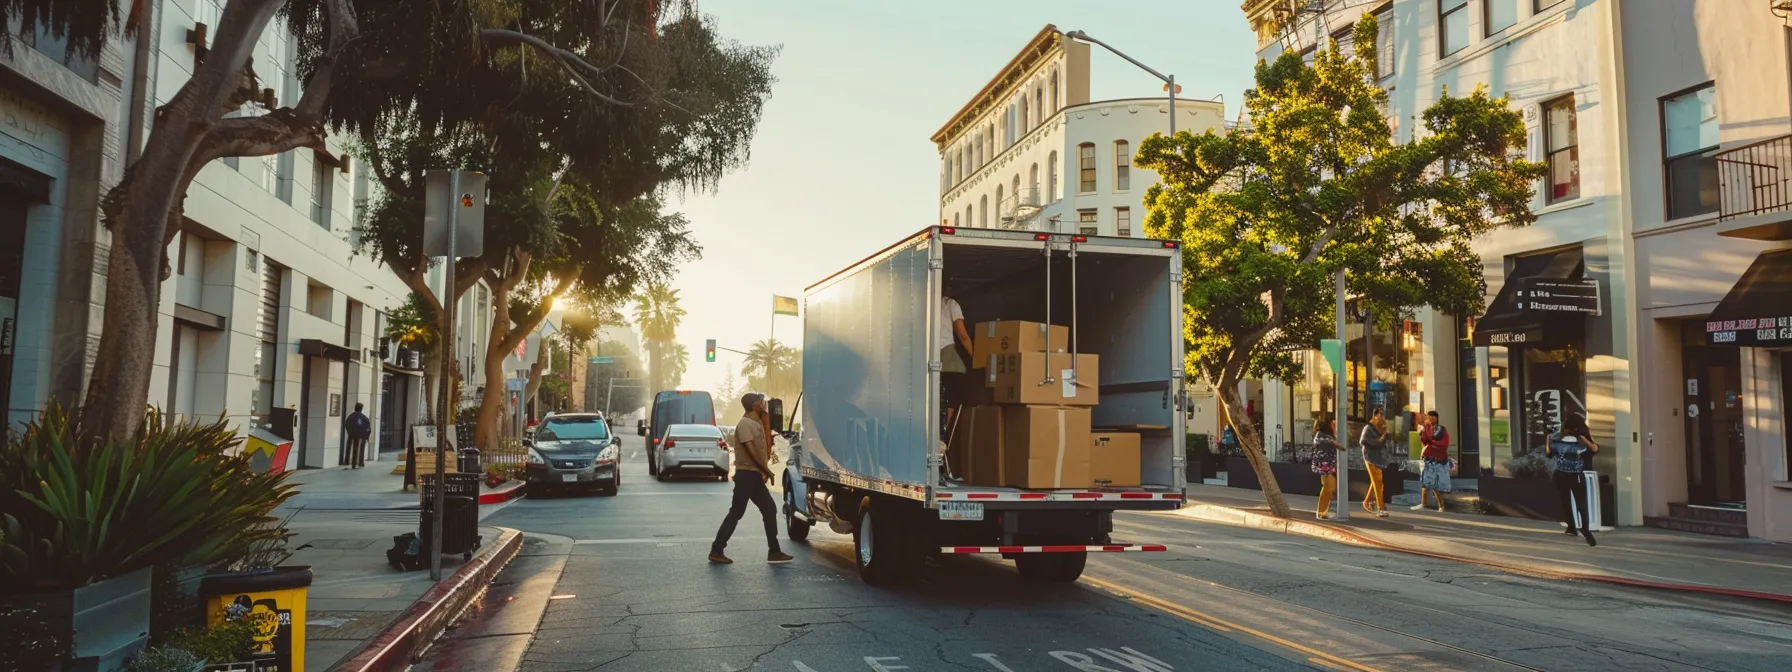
1558,296
1765,331
1513,337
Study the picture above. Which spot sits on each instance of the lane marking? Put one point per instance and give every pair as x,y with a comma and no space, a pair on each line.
1223,625
655,540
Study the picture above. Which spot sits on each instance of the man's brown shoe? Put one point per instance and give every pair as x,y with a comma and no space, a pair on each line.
778,558
720,559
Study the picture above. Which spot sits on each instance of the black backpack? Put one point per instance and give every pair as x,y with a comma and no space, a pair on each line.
406,553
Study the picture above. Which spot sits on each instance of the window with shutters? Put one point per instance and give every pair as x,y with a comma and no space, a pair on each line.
1123,222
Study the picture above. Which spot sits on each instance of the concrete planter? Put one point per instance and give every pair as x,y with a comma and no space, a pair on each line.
109,619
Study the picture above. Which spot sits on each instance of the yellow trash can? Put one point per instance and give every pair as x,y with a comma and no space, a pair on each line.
274,602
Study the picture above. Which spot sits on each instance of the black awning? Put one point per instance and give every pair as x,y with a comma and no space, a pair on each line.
1758,310
317,348
1507,324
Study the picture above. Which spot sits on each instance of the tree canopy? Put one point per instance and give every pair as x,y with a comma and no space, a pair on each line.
1316,183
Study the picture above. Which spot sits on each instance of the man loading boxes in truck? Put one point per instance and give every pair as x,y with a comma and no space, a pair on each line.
1039,488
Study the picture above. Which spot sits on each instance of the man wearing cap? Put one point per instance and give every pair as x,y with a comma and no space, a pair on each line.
752,442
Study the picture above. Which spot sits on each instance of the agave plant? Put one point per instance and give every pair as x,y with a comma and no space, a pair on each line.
76,511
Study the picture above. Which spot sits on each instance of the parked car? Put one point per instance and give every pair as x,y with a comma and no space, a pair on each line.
674,407
575,450
692,449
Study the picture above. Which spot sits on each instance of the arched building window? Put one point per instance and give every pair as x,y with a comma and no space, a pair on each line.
1025,125
983,212
1085,168
1057,103
1039,104
999,205
1034,197
1122,165
1051,179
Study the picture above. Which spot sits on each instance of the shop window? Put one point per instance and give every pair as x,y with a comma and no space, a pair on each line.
1561,142
1689,151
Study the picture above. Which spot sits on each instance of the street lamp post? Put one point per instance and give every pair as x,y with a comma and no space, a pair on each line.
1169,80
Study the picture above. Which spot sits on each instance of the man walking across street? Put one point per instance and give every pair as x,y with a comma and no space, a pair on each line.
360,429
752,441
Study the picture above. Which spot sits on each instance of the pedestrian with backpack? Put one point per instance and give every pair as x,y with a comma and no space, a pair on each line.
1572,449
360,429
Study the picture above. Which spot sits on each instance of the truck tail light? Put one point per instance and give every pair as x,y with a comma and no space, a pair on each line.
949,230
1042,236
1079,239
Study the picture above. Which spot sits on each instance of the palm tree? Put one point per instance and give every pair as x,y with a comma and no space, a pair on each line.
771,366
658,314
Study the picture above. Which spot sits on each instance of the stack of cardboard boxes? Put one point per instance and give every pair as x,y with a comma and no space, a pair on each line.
1032,427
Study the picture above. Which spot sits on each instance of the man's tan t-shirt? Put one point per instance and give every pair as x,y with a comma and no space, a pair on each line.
749,439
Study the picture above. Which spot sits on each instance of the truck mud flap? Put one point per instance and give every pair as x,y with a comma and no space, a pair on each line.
1010,550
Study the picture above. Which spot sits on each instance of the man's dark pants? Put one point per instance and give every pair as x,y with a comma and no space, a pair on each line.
357,452
749,485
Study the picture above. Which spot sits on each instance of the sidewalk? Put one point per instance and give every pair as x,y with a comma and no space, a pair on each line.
346,523
1629,555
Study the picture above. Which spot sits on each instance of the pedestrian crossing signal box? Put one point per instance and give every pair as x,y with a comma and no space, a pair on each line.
709,350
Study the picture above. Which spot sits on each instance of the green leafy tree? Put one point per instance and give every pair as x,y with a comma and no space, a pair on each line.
639,78
1316,184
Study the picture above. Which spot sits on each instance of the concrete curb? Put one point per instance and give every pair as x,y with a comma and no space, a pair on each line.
1215,513
503,493
401,643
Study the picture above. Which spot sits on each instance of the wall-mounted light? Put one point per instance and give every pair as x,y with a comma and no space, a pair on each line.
1496,372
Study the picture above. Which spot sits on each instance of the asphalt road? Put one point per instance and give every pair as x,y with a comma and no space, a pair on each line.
634,592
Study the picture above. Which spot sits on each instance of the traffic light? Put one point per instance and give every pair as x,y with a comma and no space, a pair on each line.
709,350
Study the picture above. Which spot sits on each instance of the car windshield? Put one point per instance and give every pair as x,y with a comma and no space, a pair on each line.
573,429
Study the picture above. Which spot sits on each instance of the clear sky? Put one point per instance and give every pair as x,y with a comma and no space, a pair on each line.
842,165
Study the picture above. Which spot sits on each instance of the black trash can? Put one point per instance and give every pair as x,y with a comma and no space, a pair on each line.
460,514
469,461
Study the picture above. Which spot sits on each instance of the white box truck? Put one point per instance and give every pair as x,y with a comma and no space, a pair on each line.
869,456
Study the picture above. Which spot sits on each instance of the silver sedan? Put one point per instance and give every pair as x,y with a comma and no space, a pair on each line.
693,449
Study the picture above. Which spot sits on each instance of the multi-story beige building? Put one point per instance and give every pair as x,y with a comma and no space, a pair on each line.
1031,151
1664,126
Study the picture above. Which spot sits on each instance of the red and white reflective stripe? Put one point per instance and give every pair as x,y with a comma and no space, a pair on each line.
1107,548
1059,496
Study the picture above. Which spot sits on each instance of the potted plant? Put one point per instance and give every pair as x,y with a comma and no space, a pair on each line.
86,520
259,591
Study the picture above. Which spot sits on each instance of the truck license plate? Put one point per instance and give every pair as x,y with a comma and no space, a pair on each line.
961,511
569,478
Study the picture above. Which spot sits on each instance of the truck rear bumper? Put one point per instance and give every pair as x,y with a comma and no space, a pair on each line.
1010,550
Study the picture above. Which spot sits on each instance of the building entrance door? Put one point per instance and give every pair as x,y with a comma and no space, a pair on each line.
1713,414
12,266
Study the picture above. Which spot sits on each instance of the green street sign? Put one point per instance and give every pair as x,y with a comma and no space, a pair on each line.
1333,349
603,360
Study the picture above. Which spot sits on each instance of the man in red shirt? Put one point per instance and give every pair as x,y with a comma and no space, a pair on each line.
1436,474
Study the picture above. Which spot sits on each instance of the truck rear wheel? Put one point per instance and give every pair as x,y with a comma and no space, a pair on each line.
1050,567
881,549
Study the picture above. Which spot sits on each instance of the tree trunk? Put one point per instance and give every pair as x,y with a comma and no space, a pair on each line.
533,387
144,202
432,381
1252,444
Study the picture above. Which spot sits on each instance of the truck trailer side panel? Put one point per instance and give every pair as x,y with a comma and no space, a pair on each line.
865,353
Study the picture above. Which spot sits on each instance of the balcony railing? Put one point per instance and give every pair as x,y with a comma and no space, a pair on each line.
1753,178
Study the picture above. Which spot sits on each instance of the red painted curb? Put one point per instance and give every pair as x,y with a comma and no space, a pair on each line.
503,493
398,646
1334,533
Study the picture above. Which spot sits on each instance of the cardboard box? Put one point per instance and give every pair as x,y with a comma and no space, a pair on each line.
1047,447
1114,459
1018,378
977,445
1002,337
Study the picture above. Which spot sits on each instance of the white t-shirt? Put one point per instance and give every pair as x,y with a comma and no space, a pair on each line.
950,314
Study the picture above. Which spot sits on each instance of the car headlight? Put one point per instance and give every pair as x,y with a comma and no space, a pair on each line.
535,458
609,455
